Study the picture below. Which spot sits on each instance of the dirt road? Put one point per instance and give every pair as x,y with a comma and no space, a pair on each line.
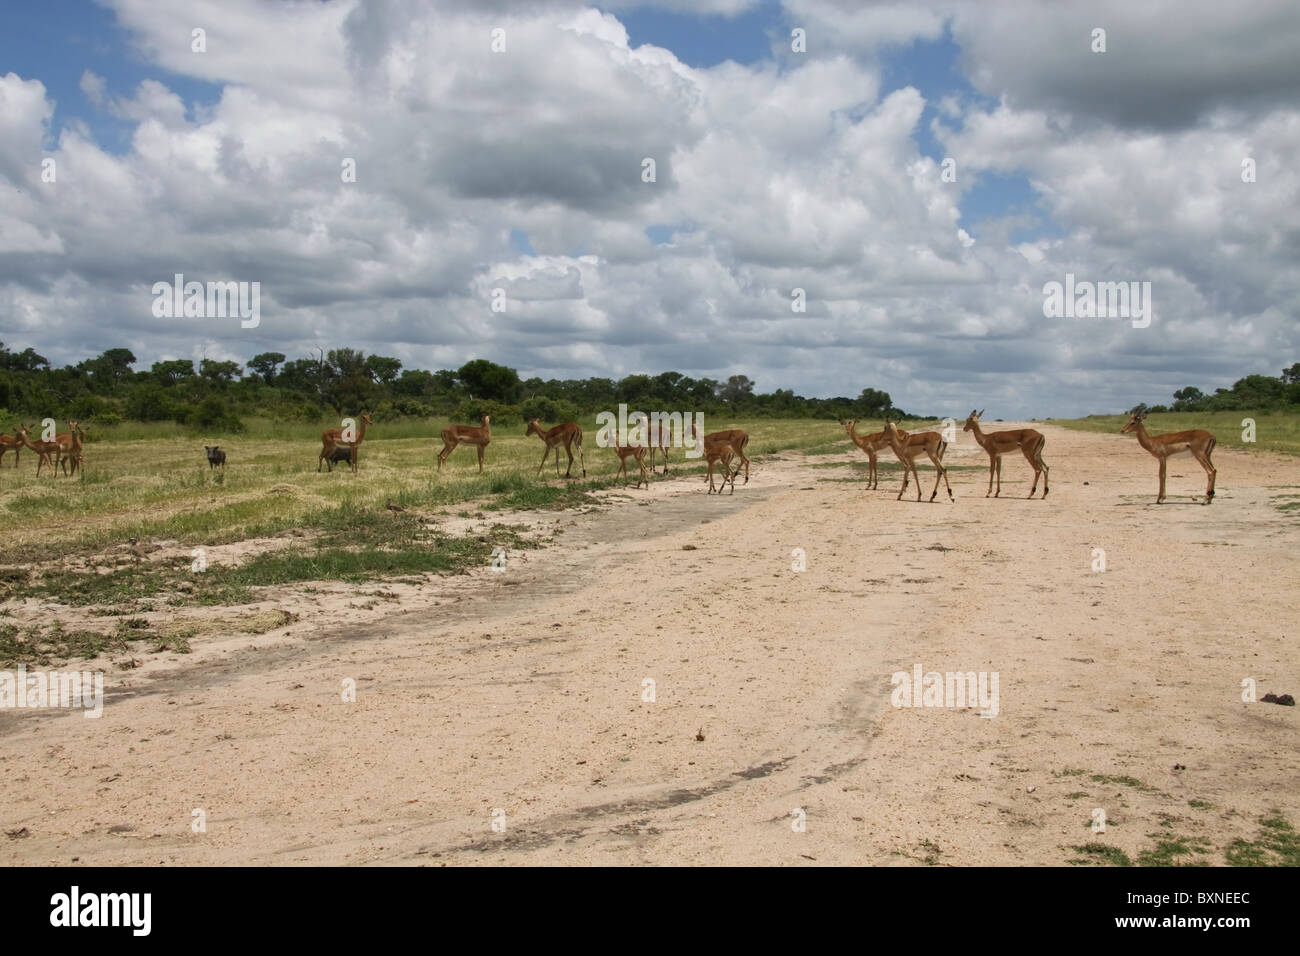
522,691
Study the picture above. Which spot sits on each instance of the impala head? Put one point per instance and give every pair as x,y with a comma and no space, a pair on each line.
972,419
533,427
486,419
367,419
1134,422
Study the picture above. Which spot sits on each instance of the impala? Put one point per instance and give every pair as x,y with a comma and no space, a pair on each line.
454,435
1198,442
42,448
997,444
870,444
637,454
569,435
69,447
721,451
909,447
734,437
332,438
11,441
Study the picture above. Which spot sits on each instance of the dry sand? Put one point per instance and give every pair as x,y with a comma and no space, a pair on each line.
522,691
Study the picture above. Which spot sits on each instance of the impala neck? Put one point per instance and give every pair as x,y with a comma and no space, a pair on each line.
979,435
1143,438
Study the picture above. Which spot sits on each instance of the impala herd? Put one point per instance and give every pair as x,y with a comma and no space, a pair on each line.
719,448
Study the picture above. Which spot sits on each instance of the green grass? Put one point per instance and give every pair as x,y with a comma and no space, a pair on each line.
1277,845
1274,431
1174,851
1099,854
152,482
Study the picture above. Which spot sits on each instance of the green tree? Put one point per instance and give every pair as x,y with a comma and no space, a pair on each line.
173,371
487,380
1188,399
264,365
872,403
383,369
220,372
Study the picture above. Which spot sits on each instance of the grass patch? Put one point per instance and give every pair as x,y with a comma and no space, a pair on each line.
152,482
1174,851
1099,854
1278,844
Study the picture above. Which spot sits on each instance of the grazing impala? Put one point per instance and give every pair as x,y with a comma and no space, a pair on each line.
909,447
569,435
997,444
332,439
870,444
455,435
1197,442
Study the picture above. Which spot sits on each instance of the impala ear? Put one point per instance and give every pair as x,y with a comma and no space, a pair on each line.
981,412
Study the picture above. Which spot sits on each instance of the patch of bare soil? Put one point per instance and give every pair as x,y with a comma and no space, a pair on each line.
659,686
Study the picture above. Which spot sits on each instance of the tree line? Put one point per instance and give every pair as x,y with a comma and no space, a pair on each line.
1252,393
217,395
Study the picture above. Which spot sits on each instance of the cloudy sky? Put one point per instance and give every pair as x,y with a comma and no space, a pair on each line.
523,169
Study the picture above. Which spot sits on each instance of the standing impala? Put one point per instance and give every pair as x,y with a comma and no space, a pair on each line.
721,451
569,435
1197,441
997,444
637,454
42,448
734,437
69,448
909,447
332,438
454,435
11,441
869,444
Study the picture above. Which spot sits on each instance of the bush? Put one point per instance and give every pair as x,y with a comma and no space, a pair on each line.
470,411
151,404
549,411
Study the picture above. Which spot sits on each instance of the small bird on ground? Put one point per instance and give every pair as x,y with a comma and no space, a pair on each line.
395,509
136,550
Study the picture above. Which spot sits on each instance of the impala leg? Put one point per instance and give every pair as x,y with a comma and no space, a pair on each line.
939,472
542,464
871,471
1161,497
1210,473
480,458
993,463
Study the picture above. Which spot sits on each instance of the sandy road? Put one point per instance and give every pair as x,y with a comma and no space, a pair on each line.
523,690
